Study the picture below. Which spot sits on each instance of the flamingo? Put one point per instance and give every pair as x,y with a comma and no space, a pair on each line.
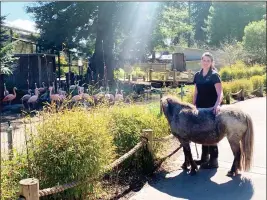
33,99
119,97
109,97
54,97
26,97
99,96
5,90
42,89
10,97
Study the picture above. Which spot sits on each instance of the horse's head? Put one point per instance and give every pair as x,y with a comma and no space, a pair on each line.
171,105
168,104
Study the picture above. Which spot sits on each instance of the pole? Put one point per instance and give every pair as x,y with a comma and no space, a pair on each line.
58,58
10,140
69,69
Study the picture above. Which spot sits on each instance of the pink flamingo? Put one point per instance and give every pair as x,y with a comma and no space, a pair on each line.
54,97
42,89
109,97
10,97
33,99
119,97
26,97
5,90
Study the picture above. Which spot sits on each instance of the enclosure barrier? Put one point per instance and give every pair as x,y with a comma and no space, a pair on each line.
241,94
29,188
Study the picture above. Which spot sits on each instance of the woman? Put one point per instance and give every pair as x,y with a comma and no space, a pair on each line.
208,93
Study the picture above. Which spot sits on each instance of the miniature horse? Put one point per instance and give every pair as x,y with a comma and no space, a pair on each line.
201,126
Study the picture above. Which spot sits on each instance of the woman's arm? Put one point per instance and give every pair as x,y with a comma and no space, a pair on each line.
219,91
195,95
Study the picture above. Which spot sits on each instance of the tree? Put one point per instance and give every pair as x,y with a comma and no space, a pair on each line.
254,41
6,56
226,21
199,13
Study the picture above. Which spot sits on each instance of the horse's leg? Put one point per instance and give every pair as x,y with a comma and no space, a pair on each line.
235,146
186,163
188,154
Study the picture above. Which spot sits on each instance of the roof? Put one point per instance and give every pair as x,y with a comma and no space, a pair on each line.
33,54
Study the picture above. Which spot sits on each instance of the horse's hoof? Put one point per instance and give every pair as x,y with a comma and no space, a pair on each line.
230,174
184,166
193,172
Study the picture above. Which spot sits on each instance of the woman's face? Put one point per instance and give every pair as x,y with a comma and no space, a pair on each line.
206,62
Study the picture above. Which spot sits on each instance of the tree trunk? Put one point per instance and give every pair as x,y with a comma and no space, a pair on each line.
104,44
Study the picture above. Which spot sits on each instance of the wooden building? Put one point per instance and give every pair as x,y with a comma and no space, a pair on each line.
33,68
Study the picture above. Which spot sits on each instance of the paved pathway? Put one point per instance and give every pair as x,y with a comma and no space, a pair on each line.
214,184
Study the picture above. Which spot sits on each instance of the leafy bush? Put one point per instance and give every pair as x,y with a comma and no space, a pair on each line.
257,81
226,74
127,123
12,172
240,70
137,72
237,85
71,145
119,73
264,79
254,40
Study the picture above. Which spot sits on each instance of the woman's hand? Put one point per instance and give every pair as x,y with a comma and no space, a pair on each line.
216,109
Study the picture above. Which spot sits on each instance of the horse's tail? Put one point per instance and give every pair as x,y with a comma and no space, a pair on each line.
247,146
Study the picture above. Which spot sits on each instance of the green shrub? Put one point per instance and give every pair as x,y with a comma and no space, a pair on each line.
76,144
240,70
127,123
12,172
71,145
257,70
254,40
226,74
264,79
244,84
257,81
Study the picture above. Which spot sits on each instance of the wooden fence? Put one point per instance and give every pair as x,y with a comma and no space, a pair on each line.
29,188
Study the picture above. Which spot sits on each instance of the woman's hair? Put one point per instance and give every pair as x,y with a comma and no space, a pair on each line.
208,54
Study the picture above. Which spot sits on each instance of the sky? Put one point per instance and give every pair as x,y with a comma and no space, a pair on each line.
16,15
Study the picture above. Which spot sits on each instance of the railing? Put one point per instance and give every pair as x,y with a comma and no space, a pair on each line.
29,188
240,95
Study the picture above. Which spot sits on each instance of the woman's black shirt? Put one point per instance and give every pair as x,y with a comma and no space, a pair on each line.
206,91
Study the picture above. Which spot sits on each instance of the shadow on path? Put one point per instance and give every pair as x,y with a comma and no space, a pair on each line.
201,187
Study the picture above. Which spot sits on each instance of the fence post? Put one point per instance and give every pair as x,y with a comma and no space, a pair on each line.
150,74
148,133
10,140
261,91
29,188
174,77
227,98
160,96
242,95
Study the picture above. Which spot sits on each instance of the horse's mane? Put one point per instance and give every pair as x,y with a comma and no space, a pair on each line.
174,100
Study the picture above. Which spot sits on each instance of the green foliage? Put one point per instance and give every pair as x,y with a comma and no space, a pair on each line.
240,70
119,73
5,51
226,21
254,40
232,53
127,124
12,172
137,72
77,144
174,24
257,81
264,79
71,145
